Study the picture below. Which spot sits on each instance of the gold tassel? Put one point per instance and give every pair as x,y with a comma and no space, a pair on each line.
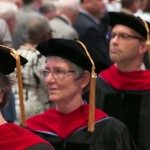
20,87
91,120
20,83
91,117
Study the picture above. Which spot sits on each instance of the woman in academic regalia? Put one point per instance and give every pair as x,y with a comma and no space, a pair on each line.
68,70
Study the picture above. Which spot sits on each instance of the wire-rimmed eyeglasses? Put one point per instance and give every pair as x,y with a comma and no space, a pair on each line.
58,73
125,36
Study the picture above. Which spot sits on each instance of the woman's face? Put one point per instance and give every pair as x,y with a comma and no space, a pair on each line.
61,80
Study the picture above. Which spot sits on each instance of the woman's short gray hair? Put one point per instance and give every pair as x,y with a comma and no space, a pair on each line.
79,71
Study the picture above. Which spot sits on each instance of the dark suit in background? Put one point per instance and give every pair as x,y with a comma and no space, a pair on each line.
93,34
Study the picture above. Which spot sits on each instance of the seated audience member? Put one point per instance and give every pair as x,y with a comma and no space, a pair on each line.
124,88
69,69
14,137
35,93
62,23
91,25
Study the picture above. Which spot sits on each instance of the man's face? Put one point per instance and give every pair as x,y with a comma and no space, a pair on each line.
125,44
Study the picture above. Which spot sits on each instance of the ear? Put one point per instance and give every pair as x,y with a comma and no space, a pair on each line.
1,97
143,48
85,79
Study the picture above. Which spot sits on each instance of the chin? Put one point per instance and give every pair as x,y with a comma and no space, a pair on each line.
114,58
53,98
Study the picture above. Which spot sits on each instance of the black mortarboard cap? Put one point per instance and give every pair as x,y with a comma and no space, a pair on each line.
129,20
68,49
73,51
7,61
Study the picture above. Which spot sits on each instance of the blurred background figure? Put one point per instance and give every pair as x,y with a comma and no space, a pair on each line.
112,5
130,6
67,12
5,36
8,13
18,3
36,30
92,31
29,7
144,12
47,9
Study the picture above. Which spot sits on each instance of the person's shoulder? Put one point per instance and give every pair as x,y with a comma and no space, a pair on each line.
84,20
57,21
28,140
54,20
104,87
58,25
114,133
116,124
112,126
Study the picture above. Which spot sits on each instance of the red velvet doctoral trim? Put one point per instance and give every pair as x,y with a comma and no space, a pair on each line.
13,137
62,124
137,80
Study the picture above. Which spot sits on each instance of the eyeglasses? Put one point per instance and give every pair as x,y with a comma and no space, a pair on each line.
58,73
124,36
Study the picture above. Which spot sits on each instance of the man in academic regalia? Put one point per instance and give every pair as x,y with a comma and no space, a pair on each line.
70,124
13,137
123,90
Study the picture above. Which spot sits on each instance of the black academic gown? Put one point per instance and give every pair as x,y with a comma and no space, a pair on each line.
126,96
13,137
72,134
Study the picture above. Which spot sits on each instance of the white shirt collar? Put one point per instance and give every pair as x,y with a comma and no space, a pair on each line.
142,67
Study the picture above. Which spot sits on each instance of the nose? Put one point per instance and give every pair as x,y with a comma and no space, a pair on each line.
50,78
114,36
115,39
